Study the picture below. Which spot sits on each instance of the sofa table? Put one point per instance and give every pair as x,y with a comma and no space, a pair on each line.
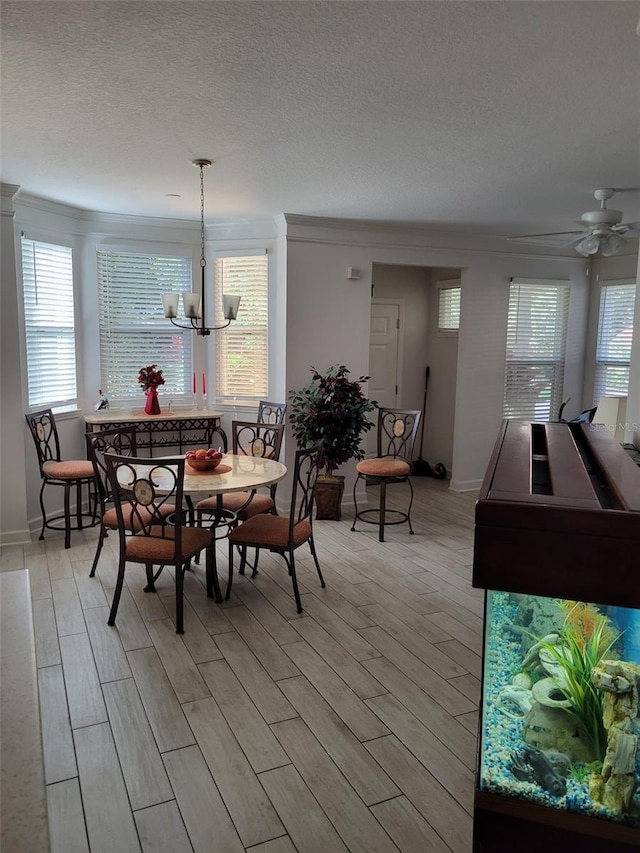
182,428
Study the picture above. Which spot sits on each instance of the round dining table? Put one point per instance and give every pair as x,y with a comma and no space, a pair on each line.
235,473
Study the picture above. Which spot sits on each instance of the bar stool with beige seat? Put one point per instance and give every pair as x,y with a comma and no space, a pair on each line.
60,472
397,430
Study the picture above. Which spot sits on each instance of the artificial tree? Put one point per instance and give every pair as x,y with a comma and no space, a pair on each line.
331,410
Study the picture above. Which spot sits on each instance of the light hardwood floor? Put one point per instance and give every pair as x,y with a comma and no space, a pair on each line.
349,727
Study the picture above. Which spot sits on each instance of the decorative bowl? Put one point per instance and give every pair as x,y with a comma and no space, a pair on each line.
203,464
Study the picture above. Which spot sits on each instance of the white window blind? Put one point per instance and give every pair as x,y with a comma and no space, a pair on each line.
47,272
242,348
133,330
615,336
449,309
536,344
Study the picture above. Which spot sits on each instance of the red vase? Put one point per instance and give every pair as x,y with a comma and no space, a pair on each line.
152,406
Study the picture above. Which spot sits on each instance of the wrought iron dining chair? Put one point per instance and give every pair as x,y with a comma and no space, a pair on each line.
143,490
281,534
249,439
55,471
396,436
271,413
122,442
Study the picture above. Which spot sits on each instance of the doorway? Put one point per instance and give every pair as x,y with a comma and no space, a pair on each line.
384,348
409,297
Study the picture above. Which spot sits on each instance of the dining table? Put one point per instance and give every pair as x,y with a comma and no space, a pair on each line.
236,472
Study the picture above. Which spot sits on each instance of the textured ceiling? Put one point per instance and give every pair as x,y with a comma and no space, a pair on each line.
493,117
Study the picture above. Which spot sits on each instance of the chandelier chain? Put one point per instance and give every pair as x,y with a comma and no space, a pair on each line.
203,262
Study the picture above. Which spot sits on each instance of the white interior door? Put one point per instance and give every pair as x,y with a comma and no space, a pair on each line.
383,359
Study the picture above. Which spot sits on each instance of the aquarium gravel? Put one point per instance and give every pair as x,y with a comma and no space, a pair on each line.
502,732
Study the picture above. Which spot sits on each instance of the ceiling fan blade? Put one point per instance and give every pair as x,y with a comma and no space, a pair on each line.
630,228
550,234
558,239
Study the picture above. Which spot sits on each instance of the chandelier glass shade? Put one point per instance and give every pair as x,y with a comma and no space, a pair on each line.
194,303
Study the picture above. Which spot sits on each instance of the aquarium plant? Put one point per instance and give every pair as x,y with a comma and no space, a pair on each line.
585,638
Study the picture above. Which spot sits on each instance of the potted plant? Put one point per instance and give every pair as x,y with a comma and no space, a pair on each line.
331,409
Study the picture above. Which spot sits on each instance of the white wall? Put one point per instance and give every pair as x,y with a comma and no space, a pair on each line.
328,317
424,345
443,363
85,231
320,318
13,429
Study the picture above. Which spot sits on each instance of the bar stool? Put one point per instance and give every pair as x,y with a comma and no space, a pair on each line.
57,472
396,437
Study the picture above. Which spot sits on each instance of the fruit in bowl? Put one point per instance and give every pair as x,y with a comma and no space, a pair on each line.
203,460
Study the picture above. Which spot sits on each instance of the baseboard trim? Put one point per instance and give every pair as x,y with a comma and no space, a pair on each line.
465,485
15,537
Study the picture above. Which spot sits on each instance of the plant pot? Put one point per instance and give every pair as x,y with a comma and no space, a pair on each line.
328,493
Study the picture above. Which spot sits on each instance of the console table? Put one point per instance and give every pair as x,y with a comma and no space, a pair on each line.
182,429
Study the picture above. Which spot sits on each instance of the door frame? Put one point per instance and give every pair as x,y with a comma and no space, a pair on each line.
400,354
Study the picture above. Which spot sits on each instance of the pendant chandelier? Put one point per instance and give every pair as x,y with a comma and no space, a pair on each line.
194,303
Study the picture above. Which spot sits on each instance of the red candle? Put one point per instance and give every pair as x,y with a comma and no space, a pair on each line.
204,385
194,382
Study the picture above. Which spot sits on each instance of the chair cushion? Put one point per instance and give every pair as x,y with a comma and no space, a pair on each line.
142,517
384,466
269,531
235,501
160,548
74,469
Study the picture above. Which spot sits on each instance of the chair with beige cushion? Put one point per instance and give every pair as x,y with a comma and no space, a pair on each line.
58,472
397,430
249,439
283,534
143,490
122,442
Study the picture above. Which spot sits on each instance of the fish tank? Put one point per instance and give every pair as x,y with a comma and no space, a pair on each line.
560,717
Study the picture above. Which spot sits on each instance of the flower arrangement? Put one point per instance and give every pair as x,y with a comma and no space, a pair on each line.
150,377
333,410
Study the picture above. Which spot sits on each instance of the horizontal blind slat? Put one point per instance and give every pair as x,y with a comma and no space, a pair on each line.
242,349
536,343
615,338
47,282
132,327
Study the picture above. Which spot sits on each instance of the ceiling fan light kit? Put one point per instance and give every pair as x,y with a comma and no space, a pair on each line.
604,233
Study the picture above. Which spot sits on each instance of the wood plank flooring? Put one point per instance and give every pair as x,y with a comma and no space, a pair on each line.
349,727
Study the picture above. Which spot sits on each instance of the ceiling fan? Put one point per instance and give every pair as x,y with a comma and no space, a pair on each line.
602,231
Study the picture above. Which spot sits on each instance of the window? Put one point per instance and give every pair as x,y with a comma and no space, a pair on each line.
133,329
448,307
47,275
241,349
536,343
615,336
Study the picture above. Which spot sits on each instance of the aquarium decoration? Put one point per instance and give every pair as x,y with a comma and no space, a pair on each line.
561,709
